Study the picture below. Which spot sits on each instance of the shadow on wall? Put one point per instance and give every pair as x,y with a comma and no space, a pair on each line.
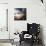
41,35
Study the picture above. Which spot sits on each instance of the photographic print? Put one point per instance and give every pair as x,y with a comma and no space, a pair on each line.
20,14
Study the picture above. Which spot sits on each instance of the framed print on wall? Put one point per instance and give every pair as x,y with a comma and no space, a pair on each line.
20,14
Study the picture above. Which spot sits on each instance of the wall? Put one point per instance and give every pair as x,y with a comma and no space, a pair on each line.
3,1
35,14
